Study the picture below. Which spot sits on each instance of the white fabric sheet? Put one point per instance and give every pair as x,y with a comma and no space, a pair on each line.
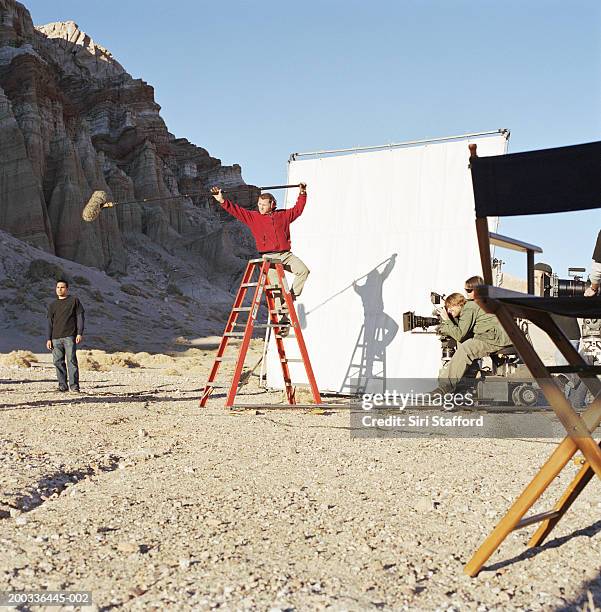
363,208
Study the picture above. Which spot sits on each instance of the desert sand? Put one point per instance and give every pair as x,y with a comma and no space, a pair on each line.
131,491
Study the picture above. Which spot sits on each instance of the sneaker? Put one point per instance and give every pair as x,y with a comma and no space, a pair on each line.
62,389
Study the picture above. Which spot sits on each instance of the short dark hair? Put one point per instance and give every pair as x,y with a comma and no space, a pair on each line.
473,281
268,196
62,280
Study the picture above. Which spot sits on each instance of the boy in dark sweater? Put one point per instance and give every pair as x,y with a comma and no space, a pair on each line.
65,332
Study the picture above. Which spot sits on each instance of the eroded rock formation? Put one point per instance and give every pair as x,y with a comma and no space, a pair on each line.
72,120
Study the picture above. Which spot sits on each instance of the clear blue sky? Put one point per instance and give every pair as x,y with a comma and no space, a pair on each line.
254,81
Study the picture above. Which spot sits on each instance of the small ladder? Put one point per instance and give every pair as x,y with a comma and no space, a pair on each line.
261,286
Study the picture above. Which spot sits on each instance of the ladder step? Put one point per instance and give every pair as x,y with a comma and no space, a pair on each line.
272,287
243,309
291,360
248,284
234,334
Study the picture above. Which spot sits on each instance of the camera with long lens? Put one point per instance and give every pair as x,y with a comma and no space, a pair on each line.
553,286
411,322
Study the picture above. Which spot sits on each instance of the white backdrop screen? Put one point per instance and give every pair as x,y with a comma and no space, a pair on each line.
380,231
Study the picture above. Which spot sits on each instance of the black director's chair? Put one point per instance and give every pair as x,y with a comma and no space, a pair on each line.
546,181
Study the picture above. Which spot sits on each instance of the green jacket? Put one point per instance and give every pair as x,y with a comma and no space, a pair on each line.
473,322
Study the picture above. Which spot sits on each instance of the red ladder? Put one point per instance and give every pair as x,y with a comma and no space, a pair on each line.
281,330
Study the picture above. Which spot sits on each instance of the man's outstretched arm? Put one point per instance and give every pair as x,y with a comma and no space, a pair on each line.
297,210
233,209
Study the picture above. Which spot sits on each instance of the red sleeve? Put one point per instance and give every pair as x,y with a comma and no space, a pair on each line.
297,210
237,211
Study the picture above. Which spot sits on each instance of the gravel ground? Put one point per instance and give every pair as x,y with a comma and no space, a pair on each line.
131,491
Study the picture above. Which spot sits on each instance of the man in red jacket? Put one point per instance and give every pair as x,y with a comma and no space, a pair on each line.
271,231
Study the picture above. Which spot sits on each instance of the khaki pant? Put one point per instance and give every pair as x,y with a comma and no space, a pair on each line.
466,352
292,264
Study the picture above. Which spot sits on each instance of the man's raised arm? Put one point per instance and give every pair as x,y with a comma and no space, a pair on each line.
297,210
233,209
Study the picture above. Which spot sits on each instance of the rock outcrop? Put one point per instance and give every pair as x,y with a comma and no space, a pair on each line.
72,121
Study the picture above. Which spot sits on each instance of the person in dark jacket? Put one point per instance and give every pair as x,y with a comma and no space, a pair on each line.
65,332
271,231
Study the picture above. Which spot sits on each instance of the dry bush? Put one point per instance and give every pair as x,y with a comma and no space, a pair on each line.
42,270
101,361
131,289
154,360
86,361
81,280
303,396
21,359
8,283
173,289
122,360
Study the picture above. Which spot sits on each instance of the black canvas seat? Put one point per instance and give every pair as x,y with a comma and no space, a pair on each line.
536,182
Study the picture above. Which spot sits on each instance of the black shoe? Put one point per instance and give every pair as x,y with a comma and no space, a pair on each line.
75,389
62,389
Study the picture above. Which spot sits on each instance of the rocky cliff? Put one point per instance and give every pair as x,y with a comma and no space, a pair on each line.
72,121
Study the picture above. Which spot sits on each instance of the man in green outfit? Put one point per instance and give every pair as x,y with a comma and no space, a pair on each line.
477,333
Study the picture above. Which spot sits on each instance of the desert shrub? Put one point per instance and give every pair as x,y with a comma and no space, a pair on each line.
8,283
87,362
81,280
122,360
21,359
101,361
173,289
42,270
153,360
131,289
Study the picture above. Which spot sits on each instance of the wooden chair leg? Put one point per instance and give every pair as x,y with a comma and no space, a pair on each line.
579,436
556,462
576,427
582,478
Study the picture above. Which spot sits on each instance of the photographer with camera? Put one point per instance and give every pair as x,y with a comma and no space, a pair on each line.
477,333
